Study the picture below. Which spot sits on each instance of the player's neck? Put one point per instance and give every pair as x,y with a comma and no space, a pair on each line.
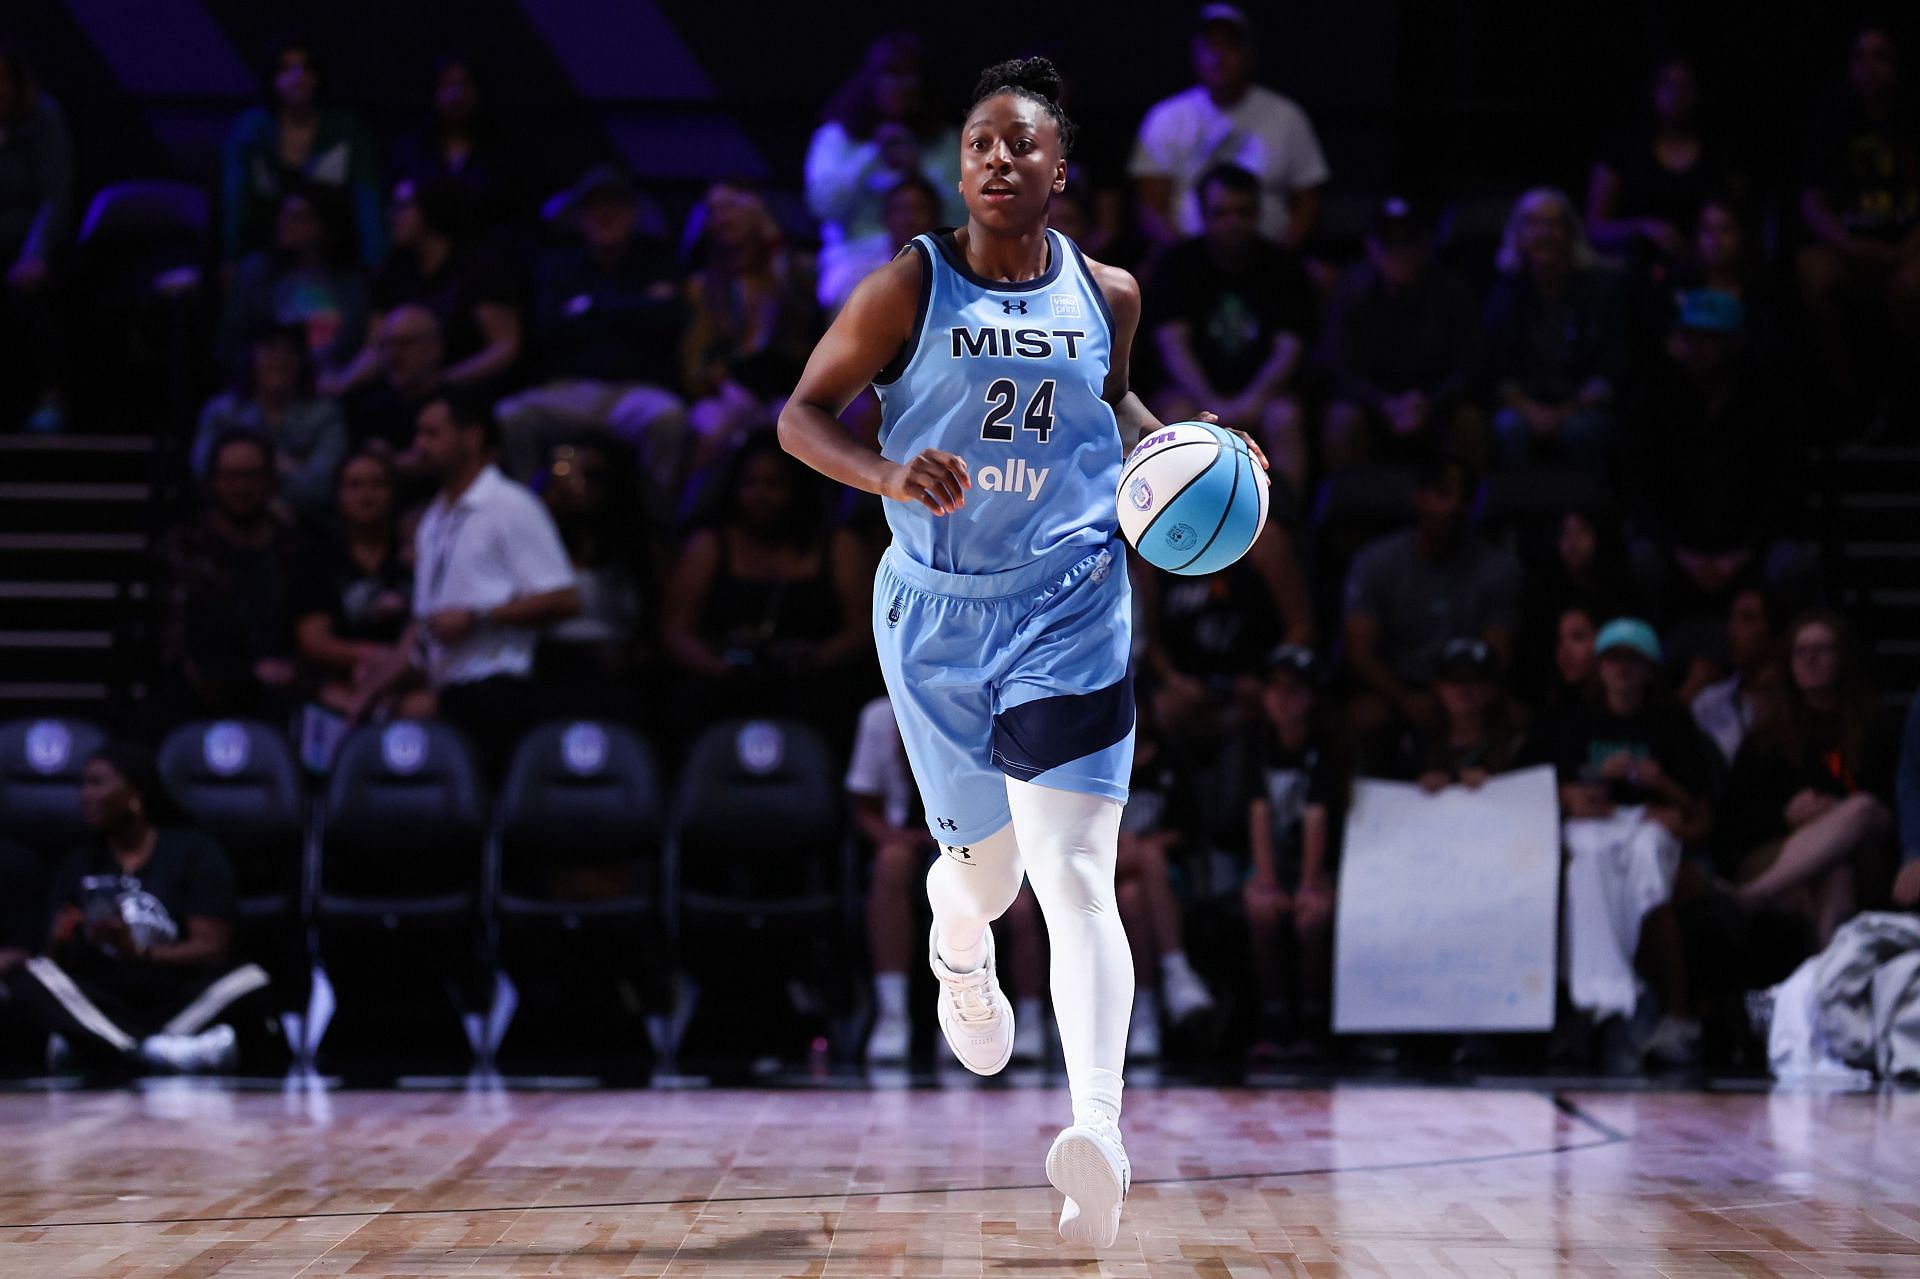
1012,257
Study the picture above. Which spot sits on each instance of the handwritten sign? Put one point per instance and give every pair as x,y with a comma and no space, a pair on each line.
1447,907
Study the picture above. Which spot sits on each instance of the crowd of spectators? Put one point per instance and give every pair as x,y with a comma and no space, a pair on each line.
496,465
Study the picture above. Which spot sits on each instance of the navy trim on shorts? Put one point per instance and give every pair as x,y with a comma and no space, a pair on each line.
897,366
1031,738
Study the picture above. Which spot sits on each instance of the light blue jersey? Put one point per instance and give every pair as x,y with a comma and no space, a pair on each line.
1005,630
1009,376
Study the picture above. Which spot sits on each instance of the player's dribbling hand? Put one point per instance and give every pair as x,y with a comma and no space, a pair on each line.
935,477
1252,445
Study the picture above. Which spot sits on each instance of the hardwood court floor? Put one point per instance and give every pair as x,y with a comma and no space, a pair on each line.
1354,1180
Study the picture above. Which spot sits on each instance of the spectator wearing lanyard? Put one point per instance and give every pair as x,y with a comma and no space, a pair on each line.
489,573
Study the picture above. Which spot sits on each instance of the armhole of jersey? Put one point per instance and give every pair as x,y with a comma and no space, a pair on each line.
1093,287
904,356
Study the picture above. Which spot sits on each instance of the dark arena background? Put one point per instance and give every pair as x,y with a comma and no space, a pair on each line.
1523,851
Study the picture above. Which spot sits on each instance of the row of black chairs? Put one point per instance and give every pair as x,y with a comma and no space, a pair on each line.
403,836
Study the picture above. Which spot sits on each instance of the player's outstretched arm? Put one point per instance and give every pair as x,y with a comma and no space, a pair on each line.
876,322
1136,420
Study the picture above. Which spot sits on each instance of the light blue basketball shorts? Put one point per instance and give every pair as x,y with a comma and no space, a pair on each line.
1017,674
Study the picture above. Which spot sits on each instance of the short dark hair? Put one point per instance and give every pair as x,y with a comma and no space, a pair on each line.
136,766
239,435
917,182
470,411
1035,79
1233,177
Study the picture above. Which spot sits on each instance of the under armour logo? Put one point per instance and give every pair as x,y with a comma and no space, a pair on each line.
947,823
961,852
1014,305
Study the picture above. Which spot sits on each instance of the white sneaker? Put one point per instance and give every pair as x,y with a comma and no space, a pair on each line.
1089,1166
213,1049
1143,1029
974,1014
1183,994
1029,1038
889,1040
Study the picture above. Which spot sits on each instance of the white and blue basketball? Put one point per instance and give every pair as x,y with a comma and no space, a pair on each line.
1192,498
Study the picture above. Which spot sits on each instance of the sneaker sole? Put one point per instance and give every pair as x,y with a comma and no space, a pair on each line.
959,1056
1080,1168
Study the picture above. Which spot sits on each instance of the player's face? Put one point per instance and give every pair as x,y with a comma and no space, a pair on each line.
1010,163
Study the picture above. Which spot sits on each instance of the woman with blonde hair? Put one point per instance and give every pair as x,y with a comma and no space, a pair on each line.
1557,333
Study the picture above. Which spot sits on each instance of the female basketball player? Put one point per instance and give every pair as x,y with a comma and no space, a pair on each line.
1002,611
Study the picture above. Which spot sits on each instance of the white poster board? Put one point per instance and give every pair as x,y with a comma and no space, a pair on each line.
1445,916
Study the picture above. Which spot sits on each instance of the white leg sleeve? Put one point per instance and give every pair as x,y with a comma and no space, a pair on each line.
969,887
1070,842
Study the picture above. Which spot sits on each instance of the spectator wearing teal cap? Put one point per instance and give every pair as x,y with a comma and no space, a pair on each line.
1633,793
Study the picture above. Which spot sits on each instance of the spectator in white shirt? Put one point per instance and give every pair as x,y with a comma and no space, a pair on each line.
880,127
1227,119
489,573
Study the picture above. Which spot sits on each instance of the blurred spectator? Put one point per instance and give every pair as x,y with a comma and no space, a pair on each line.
881,126
767,608
289,142
913,208
1232,313
462,147
306,280
1405,350
1472,738
1207,638
754,317
1152,830
1725,709
22,899
1808,809
588,661
489,574
1409,592
1557,329
1906,885
275,399
1229,119
888,814
226,639
608,320
1633,793
1575,663
138,969
36,216
1861,202
352,596
1299,797
470,294
1719,464
410,353
883,800
1585,565
1647,189
1723,260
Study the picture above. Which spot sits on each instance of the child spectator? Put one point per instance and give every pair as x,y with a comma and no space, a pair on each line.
1633,793
1299,797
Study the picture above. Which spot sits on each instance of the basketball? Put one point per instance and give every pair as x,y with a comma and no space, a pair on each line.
1192,498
